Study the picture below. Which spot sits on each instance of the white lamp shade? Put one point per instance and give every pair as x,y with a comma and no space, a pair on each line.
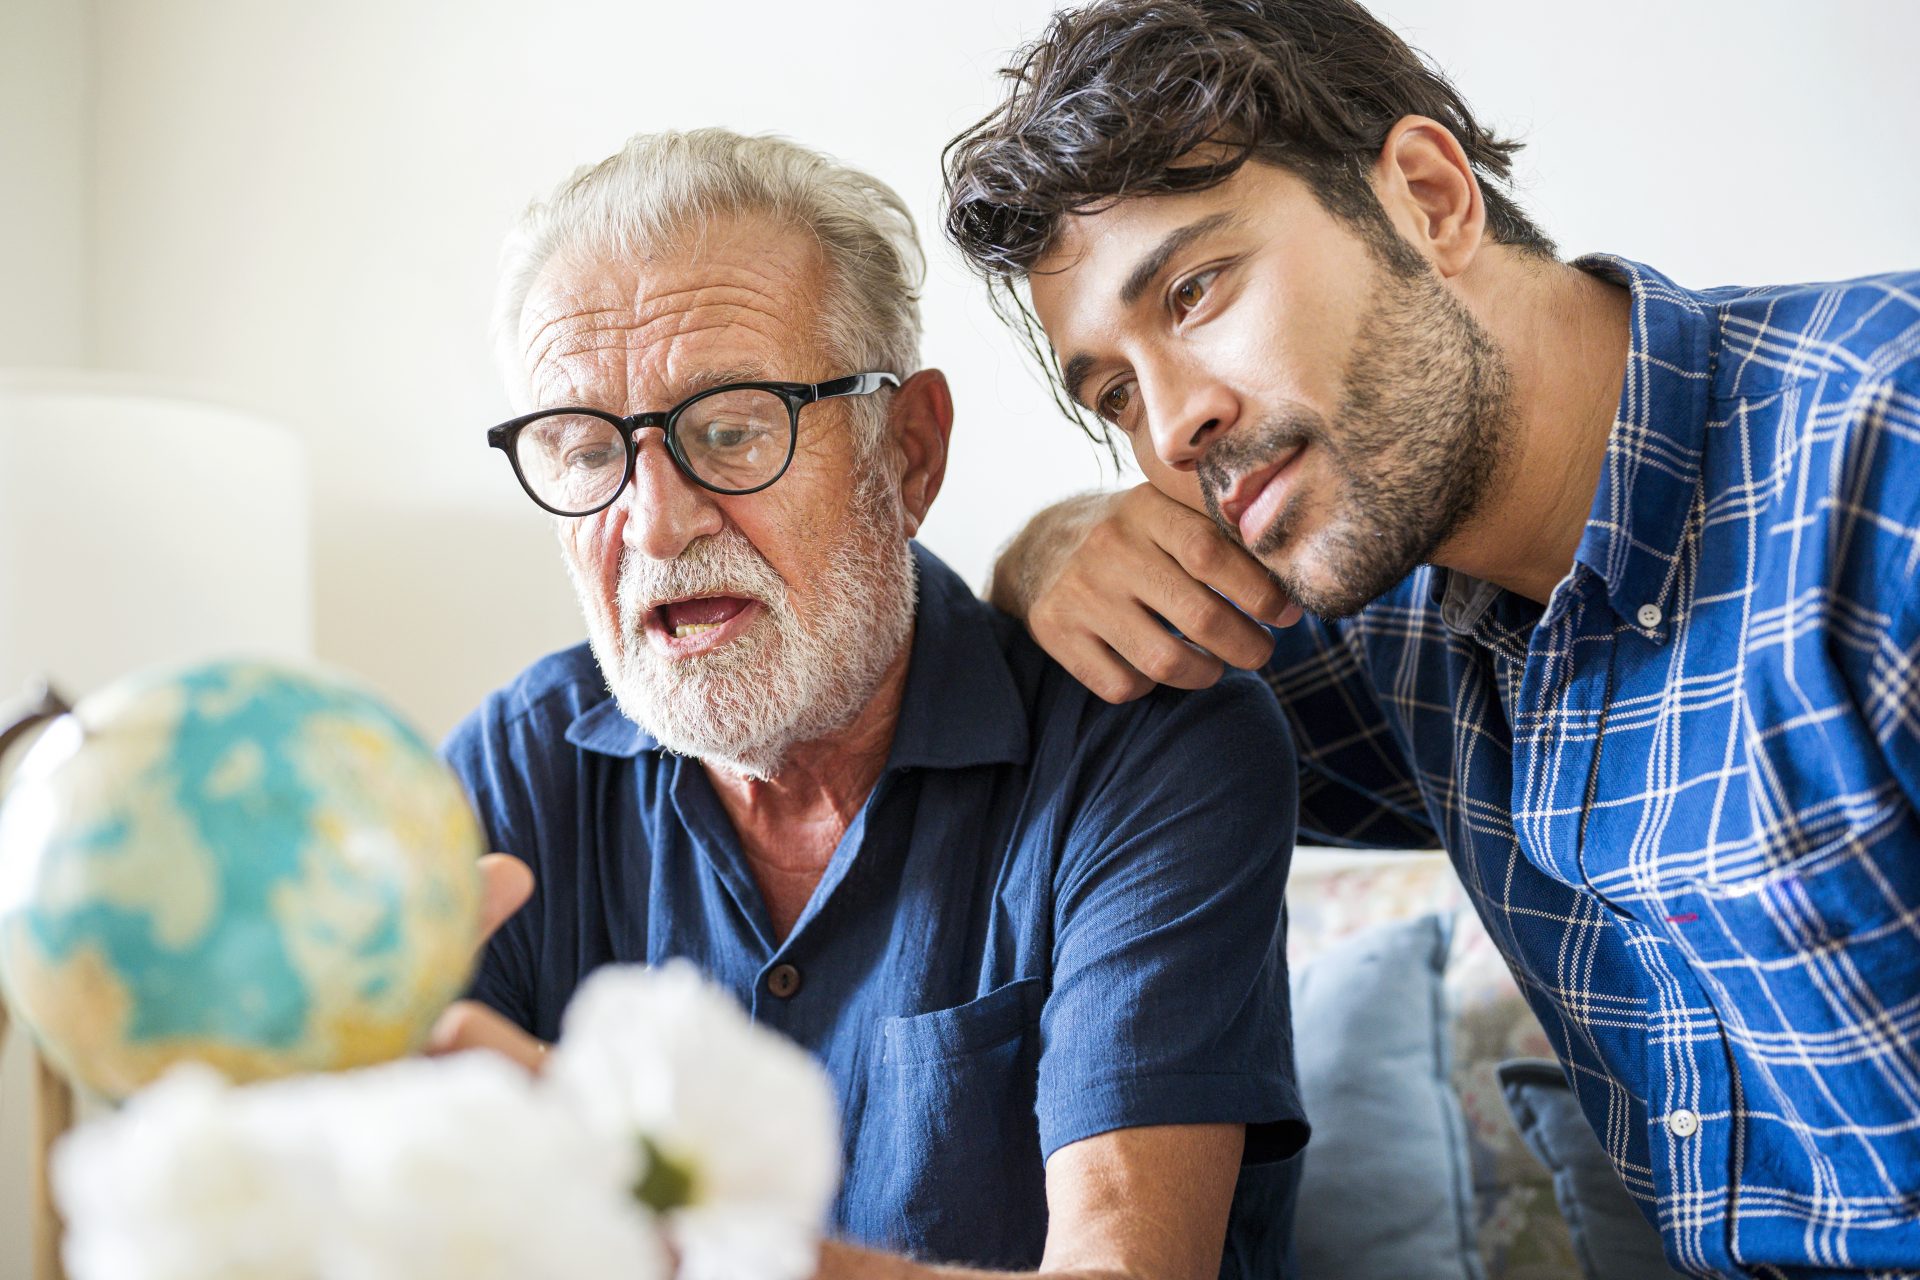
141,529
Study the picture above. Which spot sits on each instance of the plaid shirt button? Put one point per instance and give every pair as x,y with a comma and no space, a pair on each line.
1649,616
1683,1123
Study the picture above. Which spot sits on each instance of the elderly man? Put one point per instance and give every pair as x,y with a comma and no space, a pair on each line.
1035,940
1614,580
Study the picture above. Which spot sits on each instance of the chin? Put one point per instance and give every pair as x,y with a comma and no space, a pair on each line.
1331,579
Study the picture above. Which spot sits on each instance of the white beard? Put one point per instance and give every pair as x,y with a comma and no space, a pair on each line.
782,682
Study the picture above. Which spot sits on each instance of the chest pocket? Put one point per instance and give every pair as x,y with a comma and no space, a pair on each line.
947,1162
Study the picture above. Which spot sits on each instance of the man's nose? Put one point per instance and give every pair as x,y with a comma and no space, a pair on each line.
1186,413
665,510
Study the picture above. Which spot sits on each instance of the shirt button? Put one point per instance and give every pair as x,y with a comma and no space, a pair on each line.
1649,616
1683,1123
783,981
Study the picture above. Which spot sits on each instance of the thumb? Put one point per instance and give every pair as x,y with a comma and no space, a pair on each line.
505,885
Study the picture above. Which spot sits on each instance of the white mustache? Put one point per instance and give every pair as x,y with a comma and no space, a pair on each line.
724,564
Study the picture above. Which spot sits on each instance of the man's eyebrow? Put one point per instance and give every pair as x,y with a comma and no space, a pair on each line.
693,386
1156,262
1075,372
722,377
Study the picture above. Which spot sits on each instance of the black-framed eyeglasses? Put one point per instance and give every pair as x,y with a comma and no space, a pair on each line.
733,439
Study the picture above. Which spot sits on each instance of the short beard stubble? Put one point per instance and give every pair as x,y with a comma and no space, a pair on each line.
1421,435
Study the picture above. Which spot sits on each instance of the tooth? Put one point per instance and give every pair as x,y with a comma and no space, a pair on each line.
686,629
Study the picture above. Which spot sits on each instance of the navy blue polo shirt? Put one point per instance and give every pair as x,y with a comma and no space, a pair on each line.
1051,919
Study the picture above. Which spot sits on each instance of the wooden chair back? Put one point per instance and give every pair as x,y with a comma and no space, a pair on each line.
53,1117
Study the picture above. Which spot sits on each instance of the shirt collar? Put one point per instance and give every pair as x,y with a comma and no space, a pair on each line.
960,706
605,730
1652,468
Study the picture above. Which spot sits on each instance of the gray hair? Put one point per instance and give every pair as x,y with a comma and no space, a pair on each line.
660,189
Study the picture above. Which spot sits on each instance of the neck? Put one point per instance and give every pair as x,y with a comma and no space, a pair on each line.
1565,335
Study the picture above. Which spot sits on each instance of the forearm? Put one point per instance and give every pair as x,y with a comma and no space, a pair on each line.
1147,1203
848,1262
1036,553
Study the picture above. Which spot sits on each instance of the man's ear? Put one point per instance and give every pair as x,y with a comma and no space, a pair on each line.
920,420
1428,188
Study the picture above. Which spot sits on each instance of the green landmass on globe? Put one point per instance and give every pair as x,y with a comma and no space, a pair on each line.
249,865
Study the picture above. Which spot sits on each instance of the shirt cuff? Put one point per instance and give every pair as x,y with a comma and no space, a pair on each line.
1269,1105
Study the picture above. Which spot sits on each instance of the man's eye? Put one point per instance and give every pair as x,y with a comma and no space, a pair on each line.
1189,292
729,435
592,458
1115,401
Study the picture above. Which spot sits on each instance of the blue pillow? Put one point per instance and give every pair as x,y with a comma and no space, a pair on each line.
1385,1191
1612,1239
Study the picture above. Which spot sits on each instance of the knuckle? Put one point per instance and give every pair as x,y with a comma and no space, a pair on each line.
1103,539
1163,666
1171,590
1048,632
1269,598
1056,613
1213,629
1222,629
1199,547
1118,689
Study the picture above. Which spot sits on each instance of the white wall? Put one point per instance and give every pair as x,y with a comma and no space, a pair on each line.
1723,141
303,202
44,82
44,207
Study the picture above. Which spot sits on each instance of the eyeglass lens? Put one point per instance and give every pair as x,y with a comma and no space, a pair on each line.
738,439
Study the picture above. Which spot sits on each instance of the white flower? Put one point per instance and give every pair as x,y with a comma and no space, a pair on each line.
179,1185
739,1122
662,1093
457,1168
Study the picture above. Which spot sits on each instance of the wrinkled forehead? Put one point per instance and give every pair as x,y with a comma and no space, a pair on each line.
738,295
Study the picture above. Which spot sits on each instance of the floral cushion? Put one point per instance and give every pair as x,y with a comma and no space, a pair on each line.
1335,894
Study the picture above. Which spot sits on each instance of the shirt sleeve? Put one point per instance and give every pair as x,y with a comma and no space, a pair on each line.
479,751
1169,998
1892,698
1357,788
1875,511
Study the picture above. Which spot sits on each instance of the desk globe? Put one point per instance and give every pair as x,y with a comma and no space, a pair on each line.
247,865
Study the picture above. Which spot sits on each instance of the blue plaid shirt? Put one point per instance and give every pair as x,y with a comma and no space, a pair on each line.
1683,794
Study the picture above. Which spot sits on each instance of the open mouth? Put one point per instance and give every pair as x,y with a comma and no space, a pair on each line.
695,625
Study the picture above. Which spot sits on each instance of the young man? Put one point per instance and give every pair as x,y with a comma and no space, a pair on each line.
1611,585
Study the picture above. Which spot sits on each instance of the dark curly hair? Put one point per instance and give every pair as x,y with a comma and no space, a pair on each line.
1116,95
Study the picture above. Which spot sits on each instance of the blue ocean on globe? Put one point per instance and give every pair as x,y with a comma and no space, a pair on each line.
246,864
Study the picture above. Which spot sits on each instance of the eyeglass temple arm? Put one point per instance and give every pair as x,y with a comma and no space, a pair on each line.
858,384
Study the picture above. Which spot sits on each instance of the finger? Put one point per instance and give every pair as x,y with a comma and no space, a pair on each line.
468,1024
1088,659
1105,673
1203,617
1118,647
505,885
1209,556
1143,642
